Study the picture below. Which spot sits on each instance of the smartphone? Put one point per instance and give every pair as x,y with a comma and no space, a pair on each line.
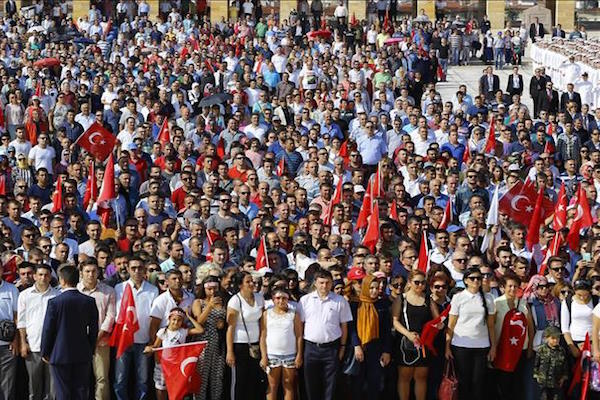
586,256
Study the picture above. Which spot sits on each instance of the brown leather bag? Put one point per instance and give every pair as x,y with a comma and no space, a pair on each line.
449,387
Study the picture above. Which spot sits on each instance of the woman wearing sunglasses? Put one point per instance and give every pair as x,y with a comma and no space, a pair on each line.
576,315
544,309
411,312
439,298
470,337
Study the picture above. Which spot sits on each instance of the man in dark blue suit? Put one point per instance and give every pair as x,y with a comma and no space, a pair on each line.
69,337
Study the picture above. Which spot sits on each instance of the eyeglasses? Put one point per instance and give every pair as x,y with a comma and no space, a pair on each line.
438,287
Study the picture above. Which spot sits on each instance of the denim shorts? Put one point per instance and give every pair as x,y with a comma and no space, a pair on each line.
287,361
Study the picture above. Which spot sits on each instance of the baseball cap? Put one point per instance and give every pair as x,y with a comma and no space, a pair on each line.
552,331
359,189
356,274
132,146
337,252
454,228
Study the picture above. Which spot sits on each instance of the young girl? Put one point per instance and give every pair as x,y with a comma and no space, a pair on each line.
170,336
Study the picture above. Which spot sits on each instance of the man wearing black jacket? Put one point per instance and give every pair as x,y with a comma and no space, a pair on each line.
515,83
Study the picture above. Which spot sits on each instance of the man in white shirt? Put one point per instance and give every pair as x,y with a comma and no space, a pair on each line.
584,87
85,118
32,306
255,129
59,230
134,359
42,155
175,296
325,316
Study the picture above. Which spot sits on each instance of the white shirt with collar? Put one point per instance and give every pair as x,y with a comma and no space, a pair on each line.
164,303
323,317
143,298
471,330
32,305
73,247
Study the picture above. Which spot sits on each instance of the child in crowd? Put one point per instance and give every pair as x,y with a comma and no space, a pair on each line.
551,370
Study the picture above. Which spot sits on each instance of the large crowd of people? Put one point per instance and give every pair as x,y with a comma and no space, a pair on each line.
297,193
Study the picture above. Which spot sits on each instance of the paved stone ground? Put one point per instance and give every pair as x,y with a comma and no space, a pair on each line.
470,75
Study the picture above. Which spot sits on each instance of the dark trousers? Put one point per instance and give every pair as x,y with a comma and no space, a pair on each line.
247,378
320,369
8,369
511,385
72,381
371,376
471,366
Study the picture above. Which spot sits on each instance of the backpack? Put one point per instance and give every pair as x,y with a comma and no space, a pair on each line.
569,301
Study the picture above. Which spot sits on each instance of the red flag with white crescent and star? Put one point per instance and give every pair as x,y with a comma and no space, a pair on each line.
57,198
179,366
552,250
447,218
372,234
490,144
560,211
533,230
163,135
432,328
518,203
262,259
512,338
97,140
127,323
423,262
581,370
582,220
281,166
9,270
91,188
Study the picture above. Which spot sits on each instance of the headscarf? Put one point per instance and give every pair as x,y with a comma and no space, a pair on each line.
550,307
367,322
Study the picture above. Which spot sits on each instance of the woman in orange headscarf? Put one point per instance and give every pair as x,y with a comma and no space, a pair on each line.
372,340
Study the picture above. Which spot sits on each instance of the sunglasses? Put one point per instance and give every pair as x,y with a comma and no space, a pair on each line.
438,287
565,292
161,281
395,285
557,269
544,286
487,275
419,283
474,278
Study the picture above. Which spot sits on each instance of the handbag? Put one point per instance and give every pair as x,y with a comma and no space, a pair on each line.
410,353
449,386
350,365
253,349
8,330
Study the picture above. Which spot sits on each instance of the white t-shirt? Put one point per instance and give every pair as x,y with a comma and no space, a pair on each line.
21,147
42,158
171,338
471,329
580,319
251,315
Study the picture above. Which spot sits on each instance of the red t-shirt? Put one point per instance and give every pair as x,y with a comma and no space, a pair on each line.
235,173
177,198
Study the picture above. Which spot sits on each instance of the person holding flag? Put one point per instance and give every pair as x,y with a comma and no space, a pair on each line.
169,336
133,358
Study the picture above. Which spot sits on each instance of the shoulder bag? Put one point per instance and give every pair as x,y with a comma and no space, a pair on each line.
410,353
253,349
449,386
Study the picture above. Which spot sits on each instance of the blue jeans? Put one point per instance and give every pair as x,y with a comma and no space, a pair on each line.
499,57
455,54
134,358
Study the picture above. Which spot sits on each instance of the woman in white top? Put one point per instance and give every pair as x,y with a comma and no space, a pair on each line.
576,315
470,337
281,345
244,313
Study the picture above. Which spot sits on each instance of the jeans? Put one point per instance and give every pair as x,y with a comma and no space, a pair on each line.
444,65
499,57
471,366
134,358
455,55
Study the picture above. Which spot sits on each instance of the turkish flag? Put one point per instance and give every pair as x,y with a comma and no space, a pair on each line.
430,330
9,270
490,144
552,250
262,260
581,370
91,188
127,323
365,211
423,264
394,210
533,232
221,148
376,189
549,147
512,338
178,364
372,234
2,183
97,140
337,199
107,191
163,135
281,166
560,211
447,218
57,197
582,220
344,153
38,89
518,203
212,237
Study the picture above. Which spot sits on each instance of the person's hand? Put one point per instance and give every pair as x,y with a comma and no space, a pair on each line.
494,229
574,350
530,353
385,359
148,350
492,354
14,347
44,359
415,338
359,354
341,352
298,362
101,335
448,353
215,301
24,349
597,355
230,359
263,363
